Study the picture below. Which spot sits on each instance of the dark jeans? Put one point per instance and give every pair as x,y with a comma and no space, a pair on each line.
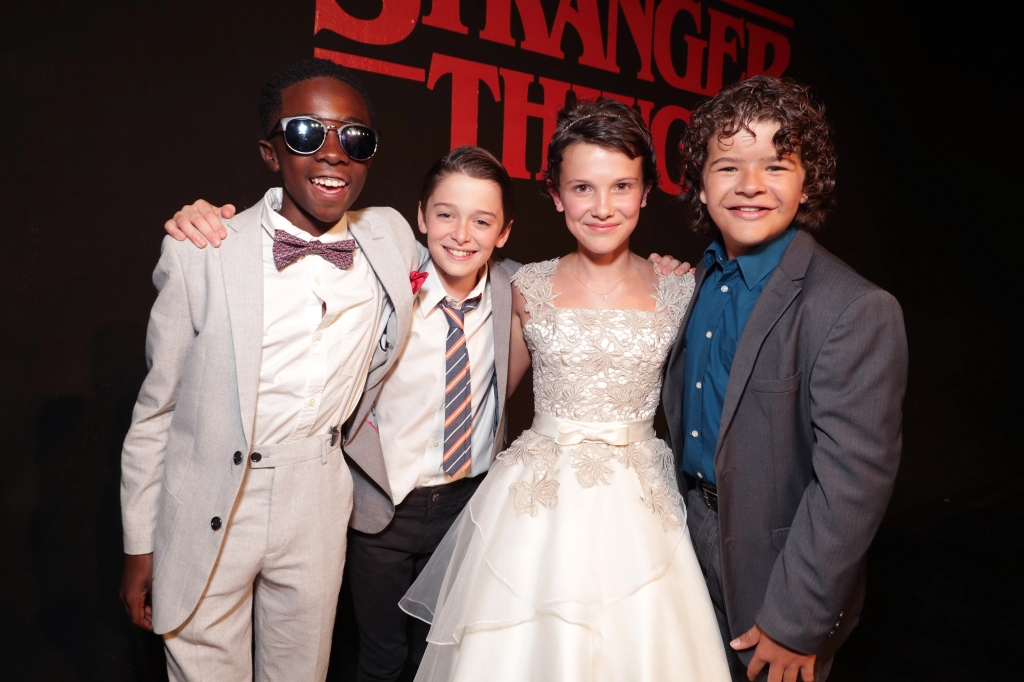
703,524
382,566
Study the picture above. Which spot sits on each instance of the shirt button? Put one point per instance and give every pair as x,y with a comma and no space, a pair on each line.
725,288
700,475
694,434
312,401
708,335
426,481
317,280
436,443
319,336
699,384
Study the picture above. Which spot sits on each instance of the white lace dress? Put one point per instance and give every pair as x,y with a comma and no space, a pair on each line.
572,561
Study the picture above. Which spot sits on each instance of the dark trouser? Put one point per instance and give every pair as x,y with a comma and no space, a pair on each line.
382,567
703,524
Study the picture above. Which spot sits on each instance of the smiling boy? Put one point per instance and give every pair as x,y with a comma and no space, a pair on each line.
784,391
235,494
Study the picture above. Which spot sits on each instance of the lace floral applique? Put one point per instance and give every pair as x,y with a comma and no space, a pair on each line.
657,481
590,462
534,282
526,495
541,454
597,366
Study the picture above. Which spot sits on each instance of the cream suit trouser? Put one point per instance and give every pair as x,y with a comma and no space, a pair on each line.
278,573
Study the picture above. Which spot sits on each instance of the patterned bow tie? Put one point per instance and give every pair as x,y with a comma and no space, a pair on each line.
288,249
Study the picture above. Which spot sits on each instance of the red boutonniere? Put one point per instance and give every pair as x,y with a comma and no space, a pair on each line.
416,278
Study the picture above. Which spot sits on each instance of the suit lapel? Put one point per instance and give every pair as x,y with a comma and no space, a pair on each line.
501,322
782,288
385,259
242,259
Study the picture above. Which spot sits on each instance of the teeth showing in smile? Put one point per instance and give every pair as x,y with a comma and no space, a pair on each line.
329,182
750,209
457,253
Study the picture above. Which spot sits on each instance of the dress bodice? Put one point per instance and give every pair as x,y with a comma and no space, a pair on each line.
598,365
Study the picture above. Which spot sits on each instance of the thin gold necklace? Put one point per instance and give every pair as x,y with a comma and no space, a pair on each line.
604,296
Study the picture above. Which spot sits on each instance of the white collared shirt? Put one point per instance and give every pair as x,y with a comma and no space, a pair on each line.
314,364
410,409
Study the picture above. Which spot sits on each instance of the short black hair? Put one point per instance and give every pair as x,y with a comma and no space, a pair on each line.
271,101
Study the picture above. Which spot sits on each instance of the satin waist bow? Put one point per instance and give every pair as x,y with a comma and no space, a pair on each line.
571,432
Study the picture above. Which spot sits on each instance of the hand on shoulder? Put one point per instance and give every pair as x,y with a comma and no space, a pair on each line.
200,223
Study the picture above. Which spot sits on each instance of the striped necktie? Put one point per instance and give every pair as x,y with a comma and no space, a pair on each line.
458,402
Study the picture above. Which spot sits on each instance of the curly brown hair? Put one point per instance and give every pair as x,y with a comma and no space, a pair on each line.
803,132
606,123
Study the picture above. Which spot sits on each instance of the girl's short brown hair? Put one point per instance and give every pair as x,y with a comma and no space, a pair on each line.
606,123
803,131
476,162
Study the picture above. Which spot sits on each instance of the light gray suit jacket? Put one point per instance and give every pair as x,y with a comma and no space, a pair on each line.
808,446
373,505
197,406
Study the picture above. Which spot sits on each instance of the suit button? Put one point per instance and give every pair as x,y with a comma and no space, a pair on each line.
255,456
215,523
238,458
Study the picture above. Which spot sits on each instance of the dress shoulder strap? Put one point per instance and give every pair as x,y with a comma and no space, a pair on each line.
534,282
673,296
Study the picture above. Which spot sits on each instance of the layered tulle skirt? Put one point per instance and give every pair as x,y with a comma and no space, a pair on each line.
570,563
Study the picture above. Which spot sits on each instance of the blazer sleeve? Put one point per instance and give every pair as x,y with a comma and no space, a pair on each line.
856,391
168,338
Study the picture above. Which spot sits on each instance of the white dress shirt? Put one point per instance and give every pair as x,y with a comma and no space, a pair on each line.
314,363
410,409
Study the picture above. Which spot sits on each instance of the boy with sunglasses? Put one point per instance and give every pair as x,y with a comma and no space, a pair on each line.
235,494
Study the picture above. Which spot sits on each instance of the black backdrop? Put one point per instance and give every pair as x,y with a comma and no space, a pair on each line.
116,113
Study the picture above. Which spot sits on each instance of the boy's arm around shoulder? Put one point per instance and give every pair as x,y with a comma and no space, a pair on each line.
857,385
168,337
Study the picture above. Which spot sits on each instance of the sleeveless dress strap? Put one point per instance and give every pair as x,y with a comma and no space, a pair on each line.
673,296
534,282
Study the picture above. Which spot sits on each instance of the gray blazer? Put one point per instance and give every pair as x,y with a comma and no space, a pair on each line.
808,447
197,406
373,505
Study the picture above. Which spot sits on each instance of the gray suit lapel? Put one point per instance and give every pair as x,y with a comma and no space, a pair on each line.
774,300
242,260
387,264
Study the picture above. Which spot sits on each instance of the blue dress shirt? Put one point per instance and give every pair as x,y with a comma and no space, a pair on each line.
723,305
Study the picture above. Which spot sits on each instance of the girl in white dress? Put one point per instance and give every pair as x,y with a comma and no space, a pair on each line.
572,561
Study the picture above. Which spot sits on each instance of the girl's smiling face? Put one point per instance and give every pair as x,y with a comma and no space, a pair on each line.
601,192
464,223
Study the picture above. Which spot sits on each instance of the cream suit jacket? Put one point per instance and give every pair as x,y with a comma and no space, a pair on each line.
197,406
373,505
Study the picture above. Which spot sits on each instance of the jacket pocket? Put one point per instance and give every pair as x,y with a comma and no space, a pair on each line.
779,536
775,385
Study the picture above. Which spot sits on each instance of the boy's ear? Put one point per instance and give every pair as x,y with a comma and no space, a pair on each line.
503,237
269,155
420,222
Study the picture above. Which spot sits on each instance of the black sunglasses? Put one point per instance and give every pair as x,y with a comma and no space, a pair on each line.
306,135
